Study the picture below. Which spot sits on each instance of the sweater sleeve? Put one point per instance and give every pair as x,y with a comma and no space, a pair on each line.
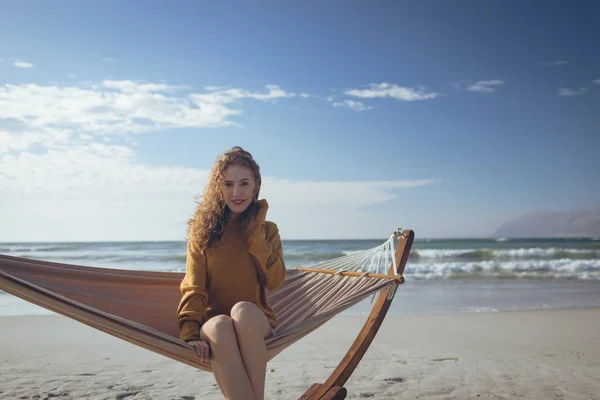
191,312
265,246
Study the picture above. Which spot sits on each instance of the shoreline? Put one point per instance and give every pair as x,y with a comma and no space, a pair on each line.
542,354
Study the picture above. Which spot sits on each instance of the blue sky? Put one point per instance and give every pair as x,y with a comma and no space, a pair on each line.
445,117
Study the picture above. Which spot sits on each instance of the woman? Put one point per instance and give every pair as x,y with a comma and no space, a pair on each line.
233,257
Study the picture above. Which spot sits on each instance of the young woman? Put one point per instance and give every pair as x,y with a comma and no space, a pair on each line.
233,257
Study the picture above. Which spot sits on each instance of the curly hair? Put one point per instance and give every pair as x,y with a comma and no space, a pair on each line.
211,214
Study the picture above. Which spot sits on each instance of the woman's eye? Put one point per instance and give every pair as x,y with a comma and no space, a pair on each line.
228,185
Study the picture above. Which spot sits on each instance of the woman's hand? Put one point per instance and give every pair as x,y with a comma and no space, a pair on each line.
261,215
202,349
257,226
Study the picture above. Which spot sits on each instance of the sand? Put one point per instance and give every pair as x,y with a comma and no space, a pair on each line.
546,354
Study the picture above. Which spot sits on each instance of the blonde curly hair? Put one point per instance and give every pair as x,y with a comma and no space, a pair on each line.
205,228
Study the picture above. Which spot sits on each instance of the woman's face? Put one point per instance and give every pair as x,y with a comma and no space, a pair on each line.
238,188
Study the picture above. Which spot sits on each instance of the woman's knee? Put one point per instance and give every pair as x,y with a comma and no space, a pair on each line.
220,326
249,316
245,310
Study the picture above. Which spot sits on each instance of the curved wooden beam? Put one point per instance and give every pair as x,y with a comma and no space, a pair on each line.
333,386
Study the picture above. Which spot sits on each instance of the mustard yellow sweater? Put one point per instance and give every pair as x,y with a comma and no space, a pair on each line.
237,269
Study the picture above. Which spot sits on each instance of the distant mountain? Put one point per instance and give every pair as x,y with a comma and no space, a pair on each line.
574,223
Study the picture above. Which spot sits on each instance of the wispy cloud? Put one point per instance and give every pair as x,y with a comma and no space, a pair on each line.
334,193
388,90
57,139
568,92
23,138
23,64
108,59
229,96
72,75
60,119
488,86
116,107
75,167
557,63
112,171
352,105
597,81
485,86
78,175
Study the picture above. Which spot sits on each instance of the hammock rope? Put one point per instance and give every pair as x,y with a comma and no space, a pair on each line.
374,260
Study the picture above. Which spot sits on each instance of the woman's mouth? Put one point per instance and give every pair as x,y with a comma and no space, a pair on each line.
238,202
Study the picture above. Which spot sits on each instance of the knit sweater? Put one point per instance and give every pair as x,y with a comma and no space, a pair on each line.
236,269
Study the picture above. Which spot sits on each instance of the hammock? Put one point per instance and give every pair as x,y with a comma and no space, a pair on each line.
140,306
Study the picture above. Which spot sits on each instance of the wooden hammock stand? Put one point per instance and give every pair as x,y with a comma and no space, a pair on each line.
333,388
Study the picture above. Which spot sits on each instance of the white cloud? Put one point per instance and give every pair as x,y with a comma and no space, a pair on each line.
96,191
336,193
488,86
229,96
106,171
133,87
352,105
72,75
115,107
94,170
597,81
23,64
385,90
568,92
107,60
553,63
485,86
11,141
93,191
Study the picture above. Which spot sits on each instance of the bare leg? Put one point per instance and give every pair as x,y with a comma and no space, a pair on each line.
226,360
251,327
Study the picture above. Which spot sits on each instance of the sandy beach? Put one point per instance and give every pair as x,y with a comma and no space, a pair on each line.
546,354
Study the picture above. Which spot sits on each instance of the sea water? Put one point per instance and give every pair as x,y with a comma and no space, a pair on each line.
442,275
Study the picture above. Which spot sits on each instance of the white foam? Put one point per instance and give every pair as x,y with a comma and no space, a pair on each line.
479,309
558,268
443,253
533,252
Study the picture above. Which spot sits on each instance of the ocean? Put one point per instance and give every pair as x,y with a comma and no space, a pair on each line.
442,275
